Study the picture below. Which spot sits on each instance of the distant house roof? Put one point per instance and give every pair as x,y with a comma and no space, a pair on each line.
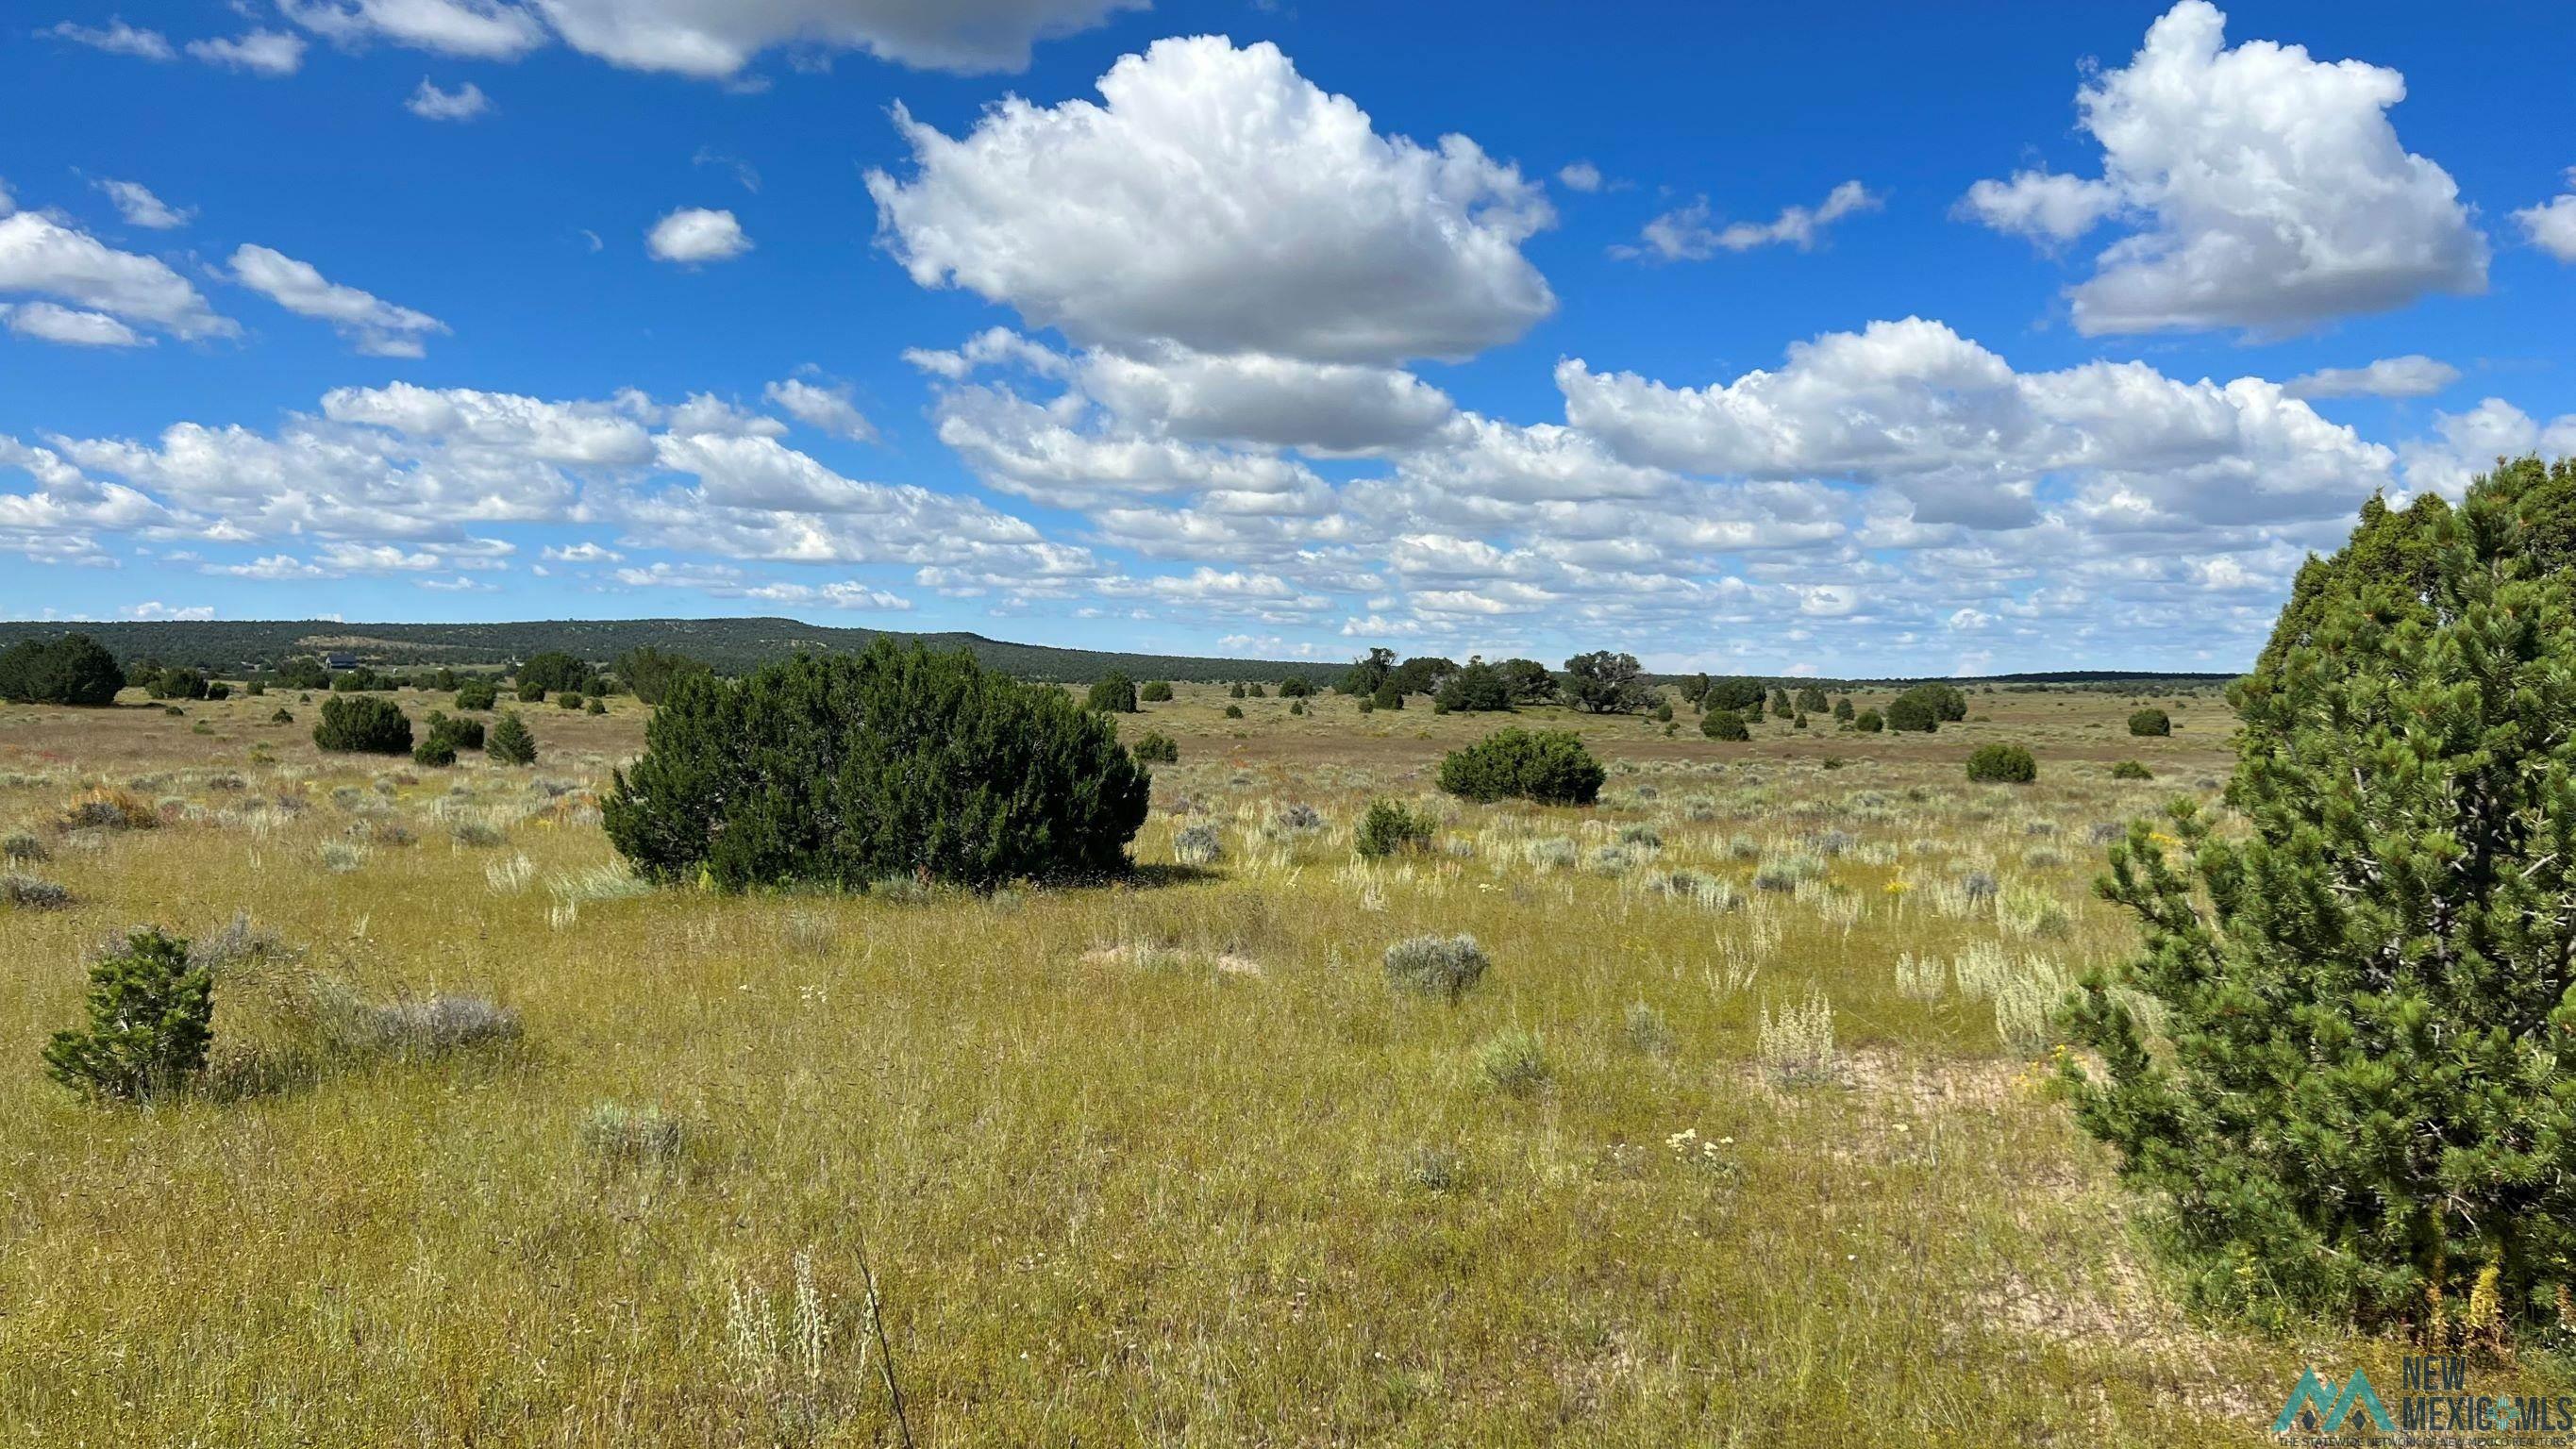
339,661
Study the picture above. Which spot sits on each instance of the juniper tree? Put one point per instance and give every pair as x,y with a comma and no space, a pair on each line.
510,742
151,1018
852,768
1113,693
2341,1056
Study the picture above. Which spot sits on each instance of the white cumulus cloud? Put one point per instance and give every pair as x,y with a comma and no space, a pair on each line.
2551,226
696,234
40,255
375,326
2269,189
51,322
1915,407
1216,199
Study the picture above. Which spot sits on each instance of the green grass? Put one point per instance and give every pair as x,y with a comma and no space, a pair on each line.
1166,1163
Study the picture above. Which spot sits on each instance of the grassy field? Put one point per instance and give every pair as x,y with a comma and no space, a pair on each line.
1163,1163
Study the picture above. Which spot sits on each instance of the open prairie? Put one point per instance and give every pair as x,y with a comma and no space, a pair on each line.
1744,1137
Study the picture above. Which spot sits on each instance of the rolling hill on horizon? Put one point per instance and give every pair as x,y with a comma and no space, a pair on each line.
731,646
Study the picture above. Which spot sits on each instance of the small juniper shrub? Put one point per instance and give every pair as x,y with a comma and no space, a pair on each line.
1724,724
2131,770
2151,723
151,1019
1389,827
363,724
1115,694
1549,767
2002,764
510,742
1155,748
1912,714
1444,966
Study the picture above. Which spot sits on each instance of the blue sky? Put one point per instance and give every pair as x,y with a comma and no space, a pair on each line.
1735,338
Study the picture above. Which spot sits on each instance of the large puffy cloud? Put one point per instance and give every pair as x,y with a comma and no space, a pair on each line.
1217,200
1915,407
2466,444
373,325
44,256
2270,191
712,39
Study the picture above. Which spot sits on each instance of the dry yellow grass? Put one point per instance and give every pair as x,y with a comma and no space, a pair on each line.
1166,1163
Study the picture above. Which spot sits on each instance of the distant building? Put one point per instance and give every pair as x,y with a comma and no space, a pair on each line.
339,661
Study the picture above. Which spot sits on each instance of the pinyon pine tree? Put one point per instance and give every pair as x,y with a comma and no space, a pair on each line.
2347,1056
